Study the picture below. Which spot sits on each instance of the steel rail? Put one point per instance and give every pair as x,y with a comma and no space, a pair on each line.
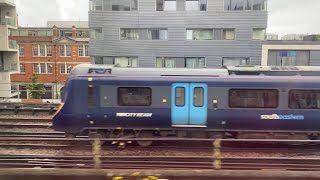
291,152
162,139
25,125
161,162
24,119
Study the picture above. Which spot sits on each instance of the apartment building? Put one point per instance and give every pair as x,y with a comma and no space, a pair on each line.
8,48
177,33
50,52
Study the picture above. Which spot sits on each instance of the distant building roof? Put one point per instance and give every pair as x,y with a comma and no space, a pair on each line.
314,37
291,42
293,37
68,24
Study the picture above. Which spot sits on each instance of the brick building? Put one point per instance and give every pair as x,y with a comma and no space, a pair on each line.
51,53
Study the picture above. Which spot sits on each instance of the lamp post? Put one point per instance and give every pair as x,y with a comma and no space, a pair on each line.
55,70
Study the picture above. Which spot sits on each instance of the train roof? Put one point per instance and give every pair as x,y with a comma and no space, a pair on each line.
275,70
101,70
87,69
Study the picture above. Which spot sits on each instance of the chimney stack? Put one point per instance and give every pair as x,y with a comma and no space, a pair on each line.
74,31
55,31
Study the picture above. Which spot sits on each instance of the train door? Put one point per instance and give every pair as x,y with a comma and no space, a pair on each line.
189,104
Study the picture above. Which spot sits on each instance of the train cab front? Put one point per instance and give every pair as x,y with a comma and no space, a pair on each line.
64,121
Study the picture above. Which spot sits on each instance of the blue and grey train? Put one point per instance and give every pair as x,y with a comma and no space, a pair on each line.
119,102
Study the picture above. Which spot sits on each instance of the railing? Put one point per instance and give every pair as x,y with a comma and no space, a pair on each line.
9,21
12,67
7,1
22,92
13,44
35,33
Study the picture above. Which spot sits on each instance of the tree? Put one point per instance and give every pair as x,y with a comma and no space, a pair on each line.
36,90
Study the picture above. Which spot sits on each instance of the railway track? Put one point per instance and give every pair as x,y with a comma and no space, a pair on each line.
24,120
24,126
35,109
161,162
60,143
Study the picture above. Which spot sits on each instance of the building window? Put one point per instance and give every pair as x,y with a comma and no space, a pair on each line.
65,33
259,5
83,50
35,50
228,34
42,68
99,60
143,34
83,33
183,62
32,33
117,61
21,50
166,62
65,50
134,96
36,68
22,68
195,62
65,68
49,50
68,50
196,5
166,5
41,50
199,34
259,34
95,5
96,33
38,33
288,58
248,98
210,34
126,61
245,5
124,5
304,99
235,61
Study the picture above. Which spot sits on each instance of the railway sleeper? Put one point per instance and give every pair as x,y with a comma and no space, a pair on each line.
156,133
271,135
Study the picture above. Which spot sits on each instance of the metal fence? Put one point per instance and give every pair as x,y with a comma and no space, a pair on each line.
20,91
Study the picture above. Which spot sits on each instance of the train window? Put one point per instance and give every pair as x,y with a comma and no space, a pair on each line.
134,96
198,97
304,99
90,96
180,96
250,98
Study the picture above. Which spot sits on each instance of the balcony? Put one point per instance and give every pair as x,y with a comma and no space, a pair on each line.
7,3
9,21
12,67
13,44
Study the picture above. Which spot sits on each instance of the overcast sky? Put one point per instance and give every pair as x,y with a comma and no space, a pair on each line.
285,16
